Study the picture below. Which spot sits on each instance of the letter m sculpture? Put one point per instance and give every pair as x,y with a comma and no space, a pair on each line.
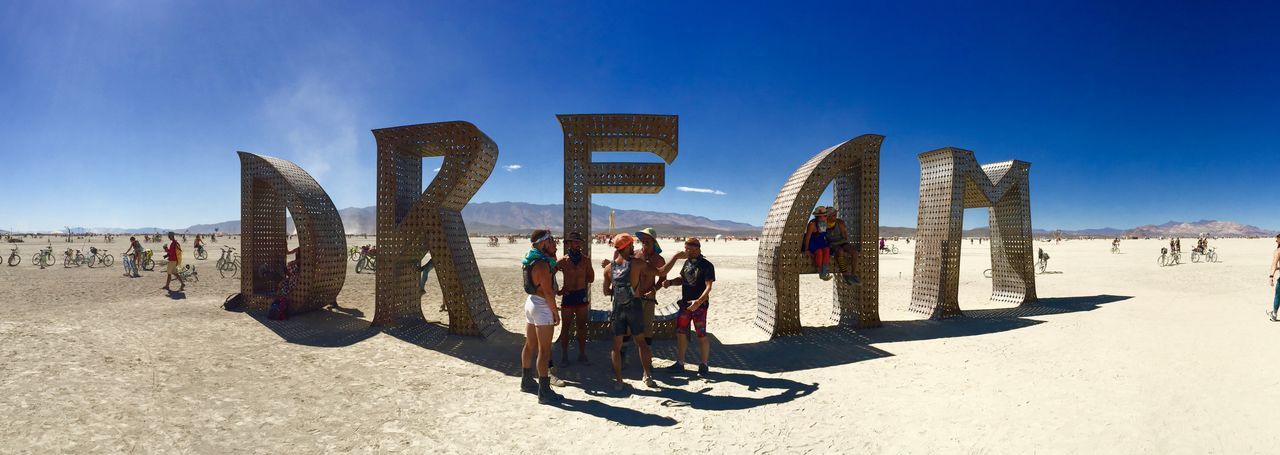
950,181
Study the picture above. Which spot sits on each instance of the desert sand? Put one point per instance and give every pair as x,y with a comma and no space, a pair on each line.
1119,356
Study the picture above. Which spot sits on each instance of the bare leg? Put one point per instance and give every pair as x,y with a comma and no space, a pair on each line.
565,330
530,346
704,348
544,348
682,346
645,355
615,355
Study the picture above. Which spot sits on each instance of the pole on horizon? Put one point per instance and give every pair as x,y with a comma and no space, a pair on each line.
611,222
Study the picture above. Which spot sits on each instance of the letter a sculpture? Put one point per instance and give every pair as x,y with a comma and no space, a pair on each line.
268,186
950,181
854,167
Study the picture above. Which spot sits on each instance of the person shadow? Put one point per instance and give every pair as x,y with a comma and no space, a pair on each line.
177,295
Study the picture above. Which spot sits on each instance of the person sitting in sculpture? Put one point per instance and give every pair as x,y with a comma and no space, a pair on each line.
841,247
815,242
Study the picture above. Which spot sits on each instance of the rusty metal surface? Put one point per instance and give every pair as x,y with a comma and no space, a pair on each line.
854,167
950,181
269,186
412,222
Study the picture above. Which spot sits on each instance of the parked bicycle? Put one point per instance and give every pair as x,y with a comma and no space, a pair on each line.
229,264
1210,255
189,274
100,257
368,259
353,253
1168,258
44,258
14,258
73,258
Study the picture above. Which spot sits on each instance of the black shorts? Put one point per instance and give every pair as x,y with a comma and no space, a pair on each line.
628,318
574,299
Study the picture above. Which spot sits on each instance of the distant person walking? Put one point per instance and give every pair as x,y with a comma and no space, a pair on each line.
541,315
132,258
1275,265
173,253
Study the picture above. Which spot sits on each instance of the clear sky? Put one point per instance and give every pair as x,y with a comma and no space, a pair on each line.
129,113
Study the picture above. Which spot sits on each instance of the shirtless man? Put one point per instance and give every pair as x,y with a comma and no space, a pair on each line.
621,278
649,282
576,304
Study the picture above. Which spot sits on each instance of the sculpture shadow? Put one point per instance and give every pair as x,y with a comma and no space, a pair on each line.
321,328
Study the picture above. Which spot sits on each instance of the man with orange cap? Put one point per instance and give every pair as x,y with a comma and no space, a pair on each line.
622,278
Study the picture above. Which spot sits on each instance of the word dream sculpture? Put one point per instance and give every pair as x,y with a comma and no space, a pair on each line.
950,181
412,222
588,133
269,186
854,167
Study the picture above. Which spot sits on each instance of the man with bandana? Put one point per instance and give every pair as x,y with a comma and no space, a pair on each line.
541,315
575,304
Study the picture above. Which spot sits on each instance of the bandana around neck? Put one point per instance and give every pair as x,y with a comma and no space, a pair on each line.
535,255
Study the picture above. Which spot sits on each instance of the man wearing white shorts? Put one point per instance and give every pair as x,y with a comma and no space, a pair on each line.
541,315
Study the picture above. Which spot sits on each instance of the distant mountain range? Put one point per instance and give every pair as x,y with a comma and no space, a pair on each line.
488,218
497,218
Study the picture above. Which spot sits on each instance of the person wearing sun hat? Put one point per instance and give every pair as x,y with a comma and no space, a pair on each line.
651,253
841,247
621,282
815,241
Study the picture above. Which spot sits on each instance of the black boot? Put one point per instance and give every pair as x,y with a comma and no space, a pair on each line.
527,384
545,394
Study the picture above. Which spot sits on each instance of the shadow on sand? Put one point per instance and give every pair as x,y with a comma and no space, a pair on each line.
816,347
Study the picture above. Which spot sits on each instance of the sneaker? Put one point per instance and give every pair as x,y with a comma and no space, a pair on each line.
703,370
556,382
676,367
650,383
1272,315
851,280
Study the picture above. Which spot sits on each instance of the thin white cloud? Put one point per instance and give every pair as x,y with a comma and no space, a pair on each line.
688,189
512,167
319,120
435,170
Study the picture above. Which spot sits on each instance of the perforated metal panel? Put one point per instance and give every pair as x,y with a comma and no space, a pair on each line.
950,181
588,133
267,187
854,167
412,222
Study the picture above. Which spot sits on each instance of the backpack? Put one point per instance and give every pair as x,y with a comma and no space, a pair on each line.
530,287
234,303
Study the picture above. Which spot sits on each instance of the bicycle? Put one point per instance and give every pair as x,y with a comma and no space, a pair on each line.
353,253
229,264
73,258
201,254
189,274
1211,255
1115,249
368,259
14,258
44,258
100,257
891,249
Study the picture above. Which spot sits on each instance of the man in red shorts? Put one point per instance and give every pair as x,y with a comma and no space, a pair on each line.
576,304
695,280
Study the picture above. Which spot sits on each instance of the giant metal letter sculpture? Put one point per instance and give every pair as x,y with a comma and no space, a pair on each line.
412,222
587,133
951,181
268,186
854,166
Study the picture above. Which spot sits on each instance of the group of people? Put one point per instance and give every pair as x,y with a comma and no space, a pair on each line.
631,280
826,238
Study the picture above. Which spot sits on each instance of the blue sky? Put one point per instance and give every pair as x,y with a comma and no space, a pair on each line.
129,113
